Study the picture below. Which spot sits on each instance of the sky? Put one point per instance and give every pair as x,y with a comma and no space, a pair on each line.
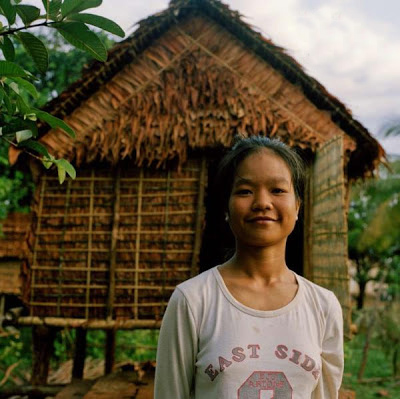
352,47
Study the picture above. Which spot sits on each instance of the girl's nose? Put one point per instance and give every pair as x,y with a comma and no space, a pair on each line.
262,201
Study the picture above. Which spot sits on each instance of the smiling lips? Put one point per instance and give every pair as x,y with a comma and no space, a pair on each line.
261,219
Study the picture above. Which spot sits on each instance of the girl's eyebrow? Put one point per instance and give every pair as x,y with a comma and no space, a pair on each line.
273,180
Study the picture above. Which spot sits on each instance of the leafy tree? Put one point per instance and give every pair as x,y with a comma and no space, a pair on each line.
65,65
374,231
18,118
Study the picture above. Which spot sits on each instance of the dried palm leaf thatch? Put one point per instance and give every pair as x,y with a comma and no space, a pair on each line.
194,93
158,44
115,242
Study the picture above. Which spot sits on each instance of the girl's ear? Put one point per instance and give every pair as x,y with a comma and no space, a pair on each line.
298,204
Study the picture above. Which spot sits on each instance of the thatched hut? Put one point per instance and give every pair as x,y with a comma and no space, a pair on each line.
108,248
13,230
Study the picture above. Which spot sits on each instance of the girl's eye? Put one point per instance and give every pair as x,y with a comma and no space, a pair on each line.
278,190
243,191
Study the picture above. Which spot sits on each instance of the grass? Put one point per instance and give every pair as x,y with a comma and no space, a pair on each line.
378,366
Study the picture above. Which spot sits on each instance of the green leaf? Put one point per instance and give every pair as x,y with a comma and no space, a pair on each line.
35,146
101,22
8,49
52,8
75,6
53,121
48,161
27,86
36,49
9,105
64,164
10,69
22,106
28,13
80,36
23,135
8,10
61,173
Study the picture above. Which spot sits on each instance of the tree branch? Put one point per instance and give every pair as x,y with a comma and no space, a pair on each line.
12,31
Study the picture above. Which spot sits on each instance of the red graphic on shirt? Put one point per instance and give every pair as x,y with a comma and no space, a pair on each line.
266,385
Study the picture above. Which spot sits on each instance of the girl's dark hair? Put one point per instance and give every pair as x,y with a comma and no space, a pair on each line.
242,148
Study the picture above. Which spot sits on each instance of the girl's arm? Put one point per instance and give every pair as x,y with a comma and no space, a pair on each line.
176,351
332,354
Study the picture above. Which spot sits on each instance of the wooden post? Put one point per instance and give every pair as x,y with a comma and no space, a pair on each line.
80,354
110,351
43,347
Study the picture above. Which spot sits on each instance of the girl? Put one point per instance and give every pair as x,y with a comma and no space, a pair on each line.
251,328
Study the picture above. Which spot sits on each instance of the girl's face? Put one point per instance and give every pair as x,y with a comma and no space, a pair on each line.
262,206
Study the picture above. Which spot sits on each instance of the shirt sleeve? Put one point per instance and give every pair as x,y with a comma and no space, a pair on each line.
176,351
332,357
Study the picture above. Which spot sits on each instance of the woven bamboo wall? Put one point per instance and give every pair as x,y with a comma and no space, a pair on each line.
328,225
114,243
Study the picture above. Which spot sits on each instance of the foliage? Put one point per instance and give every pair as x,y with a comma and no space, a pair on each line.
378,367
65,65
136,345
374,230
16,349
18,118
15,186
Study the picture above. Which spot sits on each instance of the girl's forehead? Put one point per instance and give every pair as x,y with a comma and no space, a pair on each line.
263,163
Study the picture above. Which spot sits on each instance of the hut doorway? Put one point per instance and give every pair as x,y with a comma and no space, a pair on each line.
218,243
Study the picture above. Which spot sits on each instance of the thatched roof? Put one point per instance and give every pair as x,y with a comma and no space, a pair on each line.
191,77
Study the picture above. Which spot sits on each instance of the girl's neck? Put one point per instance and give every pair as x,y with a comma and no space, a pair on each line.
267,264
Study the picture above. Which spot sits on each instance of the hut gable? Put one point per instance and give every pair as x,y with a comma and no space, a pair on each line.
191,77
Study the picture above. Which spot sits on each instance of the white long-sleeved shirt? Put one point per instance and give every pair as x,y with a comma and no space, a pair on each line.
213,347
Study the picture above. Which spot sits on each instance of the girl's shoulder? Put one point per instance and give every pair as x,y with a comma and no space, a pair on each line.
321,297
199,284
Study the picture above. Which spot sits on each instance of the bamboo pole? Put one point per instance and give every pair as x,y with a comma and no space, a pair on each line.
113,250
39,222
90,235
137,244
108,214
89,324
165,238
62,247
199,217
121,232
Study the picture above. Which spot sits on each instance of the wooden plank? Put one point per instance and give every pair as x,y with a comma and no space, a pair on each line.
121,385
76,390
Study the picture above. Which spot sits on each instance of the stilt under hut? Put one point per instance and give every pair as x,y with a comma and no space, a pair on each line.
108,248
